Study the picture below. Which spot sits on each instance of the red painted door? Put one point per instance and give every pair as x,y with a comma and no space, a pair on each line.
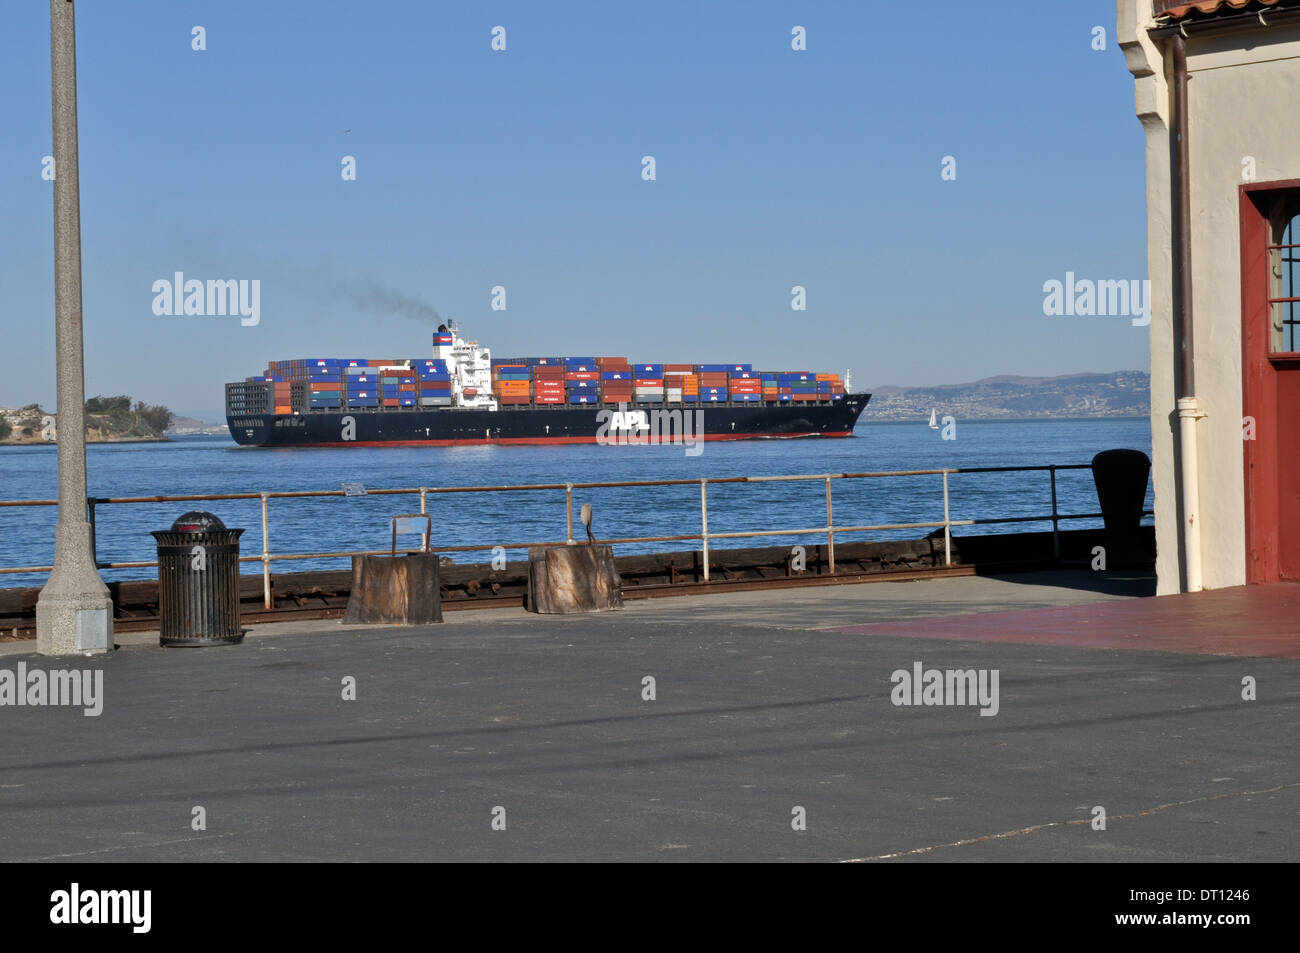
1270,295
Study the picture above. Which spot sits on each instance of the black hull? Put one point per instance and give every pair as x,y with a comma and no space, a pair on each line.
591,423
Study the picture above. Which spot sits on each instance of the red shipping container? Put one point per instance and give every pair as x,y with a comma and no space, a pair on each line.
649,382
549,400
582,376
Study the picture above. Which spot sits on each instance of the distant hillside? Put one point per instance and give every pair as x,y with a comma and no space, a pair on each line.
1117,394
108,420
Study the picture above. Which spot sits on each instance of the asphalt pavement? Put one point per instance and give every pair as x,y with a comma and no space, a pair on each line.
504,736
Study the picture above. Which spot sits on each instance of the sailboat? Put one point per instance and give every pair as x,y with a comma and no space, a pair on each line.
934,420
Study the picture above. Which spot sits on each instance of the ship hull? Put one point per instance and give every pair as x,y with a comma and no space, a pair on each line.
532,425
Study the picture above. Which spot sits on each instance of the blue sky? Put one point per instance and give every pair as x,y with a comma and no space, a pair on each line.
522,168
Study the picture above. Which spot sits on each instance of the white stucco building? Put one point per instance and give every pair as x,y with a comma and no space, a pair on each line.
1223,210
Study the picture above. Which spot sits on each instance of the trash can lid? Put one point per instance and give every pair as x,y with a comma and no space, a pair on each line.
197,521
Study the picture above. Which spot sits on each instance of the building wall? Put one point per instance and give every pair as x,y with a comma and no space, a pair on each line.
1243,95
1152,103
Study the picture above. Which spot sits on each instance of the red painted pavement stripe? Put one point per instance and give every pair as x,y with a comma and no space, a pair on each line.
1256,621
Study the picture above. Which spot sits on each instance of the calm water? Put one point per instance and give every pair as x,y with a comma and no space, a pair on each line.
215,465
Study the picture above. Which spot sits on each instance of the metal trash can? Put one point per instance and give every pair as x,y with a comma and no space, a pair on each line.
198,582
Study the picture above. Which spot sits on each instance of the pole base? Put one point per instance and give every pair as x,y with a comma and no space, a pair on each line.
74,624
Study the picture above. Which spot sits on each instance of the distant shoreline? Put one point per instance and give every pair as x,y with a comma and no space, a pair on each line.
90,441
998,420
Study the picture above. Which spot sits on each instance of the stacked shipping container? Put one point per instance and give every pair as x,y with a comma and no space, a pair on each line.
340,383
334,383
615,380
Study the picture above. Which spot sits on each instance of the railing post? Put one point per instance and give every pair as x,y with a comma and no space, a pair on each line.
1056,523
424,508
568,512
704,524
947,526
90,518
830,527
266,554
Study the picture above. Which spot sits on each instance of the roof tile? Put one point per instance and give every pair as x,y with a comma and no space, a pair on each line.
1175,10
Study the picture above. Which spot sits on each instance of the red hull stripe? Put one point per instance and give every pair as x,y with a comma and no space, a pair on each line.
539,441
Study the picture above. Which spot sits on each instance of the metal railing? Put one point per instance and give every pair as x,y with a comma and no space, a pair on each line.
830,530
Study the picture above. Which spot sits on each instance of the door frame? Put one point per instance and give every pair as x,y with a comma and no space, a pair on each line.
1259,370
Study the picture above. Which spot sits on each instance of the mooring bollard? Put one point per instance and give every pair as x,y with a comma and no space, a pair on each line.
1121,478
396,590
564,579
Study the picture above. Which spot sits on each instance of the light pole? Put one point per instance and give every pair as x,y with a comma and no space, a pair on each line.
74,612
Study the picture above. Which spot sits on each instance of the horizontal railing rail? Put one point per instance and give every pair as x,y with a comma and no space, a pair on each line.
830,530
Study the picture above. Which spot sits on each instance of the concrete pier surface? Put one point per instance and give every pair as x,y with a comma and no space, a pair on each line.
767,707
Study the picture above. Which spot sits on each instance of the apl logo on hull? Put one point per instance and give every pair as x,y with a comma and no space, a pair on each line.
627,420
623,427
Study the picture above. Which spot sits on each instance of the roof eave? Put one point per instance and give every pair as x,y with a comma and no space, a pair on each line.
1256,20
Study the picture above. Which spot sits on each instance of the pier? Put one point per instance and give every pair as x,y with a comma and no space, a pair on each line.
763,702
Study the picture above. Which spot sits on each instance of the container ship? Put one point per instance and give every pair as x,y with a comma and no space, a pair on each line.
462,395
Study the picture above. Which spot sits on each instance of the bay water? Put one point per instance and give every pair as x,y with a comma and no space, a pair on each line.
205,465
